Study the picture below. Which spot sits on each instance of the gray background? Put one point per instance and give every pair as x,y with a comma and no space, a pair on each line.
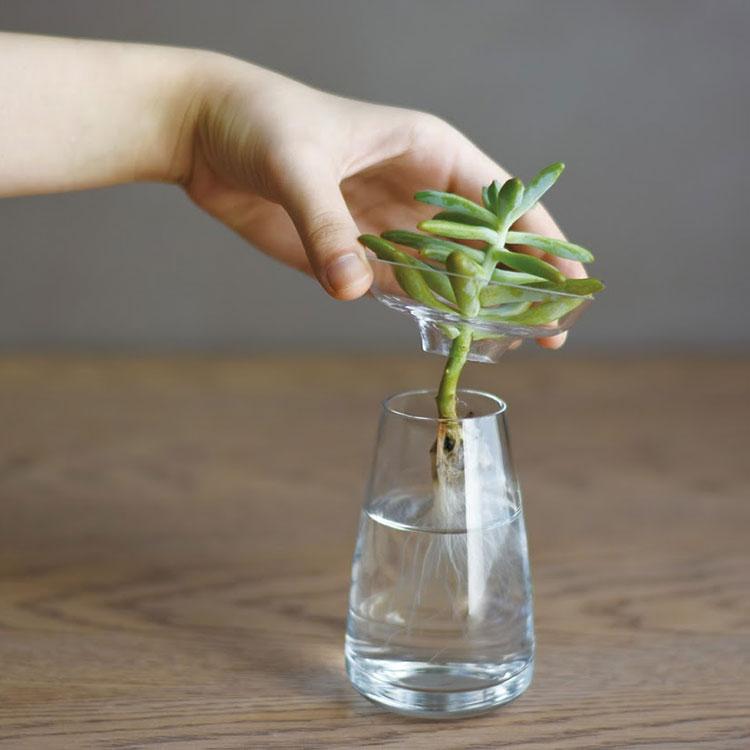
645,101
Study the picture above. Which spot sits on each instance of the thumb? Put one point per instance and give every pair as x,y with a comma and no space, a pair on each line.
312,198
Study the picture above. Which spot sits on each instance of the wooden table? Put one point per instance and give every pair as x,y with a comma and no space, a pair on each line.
175,540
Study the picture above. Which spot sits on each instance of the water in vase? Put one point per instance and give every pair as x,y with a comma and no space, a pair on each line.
440,619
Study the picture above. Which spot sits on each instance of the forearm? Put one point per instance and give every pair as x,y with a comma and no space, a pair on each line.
78,114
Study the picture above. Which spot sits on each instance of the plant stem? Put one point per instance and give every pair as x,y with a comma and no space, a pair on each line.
490,259
446,398
447,450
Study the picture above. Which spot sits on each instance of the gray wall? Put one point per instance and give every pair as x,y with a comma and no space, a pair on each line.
645,101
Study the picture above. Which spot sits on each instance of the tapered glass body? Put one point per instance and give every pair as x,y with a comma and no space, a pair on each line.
440,612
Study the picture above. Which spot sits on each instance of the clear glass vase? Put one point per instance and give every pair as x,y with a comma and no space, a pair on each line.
440,613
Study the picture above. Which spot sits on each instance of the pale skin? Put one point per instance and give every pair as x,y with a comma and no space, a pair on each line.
299,173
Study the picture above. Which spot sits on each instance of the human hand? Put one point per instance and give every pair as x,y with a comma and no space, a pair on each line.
300,173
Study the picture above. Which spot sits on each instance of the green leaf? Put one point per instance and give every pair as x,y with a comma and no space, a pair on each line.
461,218
442,255
547,312
493,190
437,281
496,294
513,309
583,287
486,201
419,241
458,231
456,203
529,264
408,275
510,196
464,277
502,312
550,245
538,186
514,277
499,294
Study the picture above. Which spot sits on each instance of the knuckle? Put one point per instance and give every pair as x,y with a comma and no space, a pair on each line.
426,126
276,162
283,161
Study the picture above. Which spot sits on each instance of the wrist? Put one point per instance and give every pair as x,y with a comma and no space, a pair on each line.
177,88
196,80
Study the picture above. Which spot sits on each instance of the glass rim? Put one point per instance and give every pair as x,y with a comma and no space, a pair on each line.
386,404
373,259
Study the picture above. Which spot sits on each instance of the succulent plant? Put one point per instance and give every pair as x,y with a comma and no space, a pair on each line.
496,282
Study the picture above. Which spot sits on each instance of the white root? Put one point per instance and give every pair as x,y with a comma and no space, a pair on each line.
466,478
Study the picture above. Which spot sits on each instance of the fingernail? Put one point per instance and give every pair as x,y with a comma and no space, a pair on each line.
557,342
553,342
346,271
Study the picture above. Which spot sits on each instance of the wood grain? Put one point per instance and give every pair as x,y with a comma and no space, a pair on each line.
175,539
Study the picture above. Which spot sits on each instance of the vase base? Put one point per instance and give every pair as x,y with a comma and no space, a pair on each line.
432,691
488,349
